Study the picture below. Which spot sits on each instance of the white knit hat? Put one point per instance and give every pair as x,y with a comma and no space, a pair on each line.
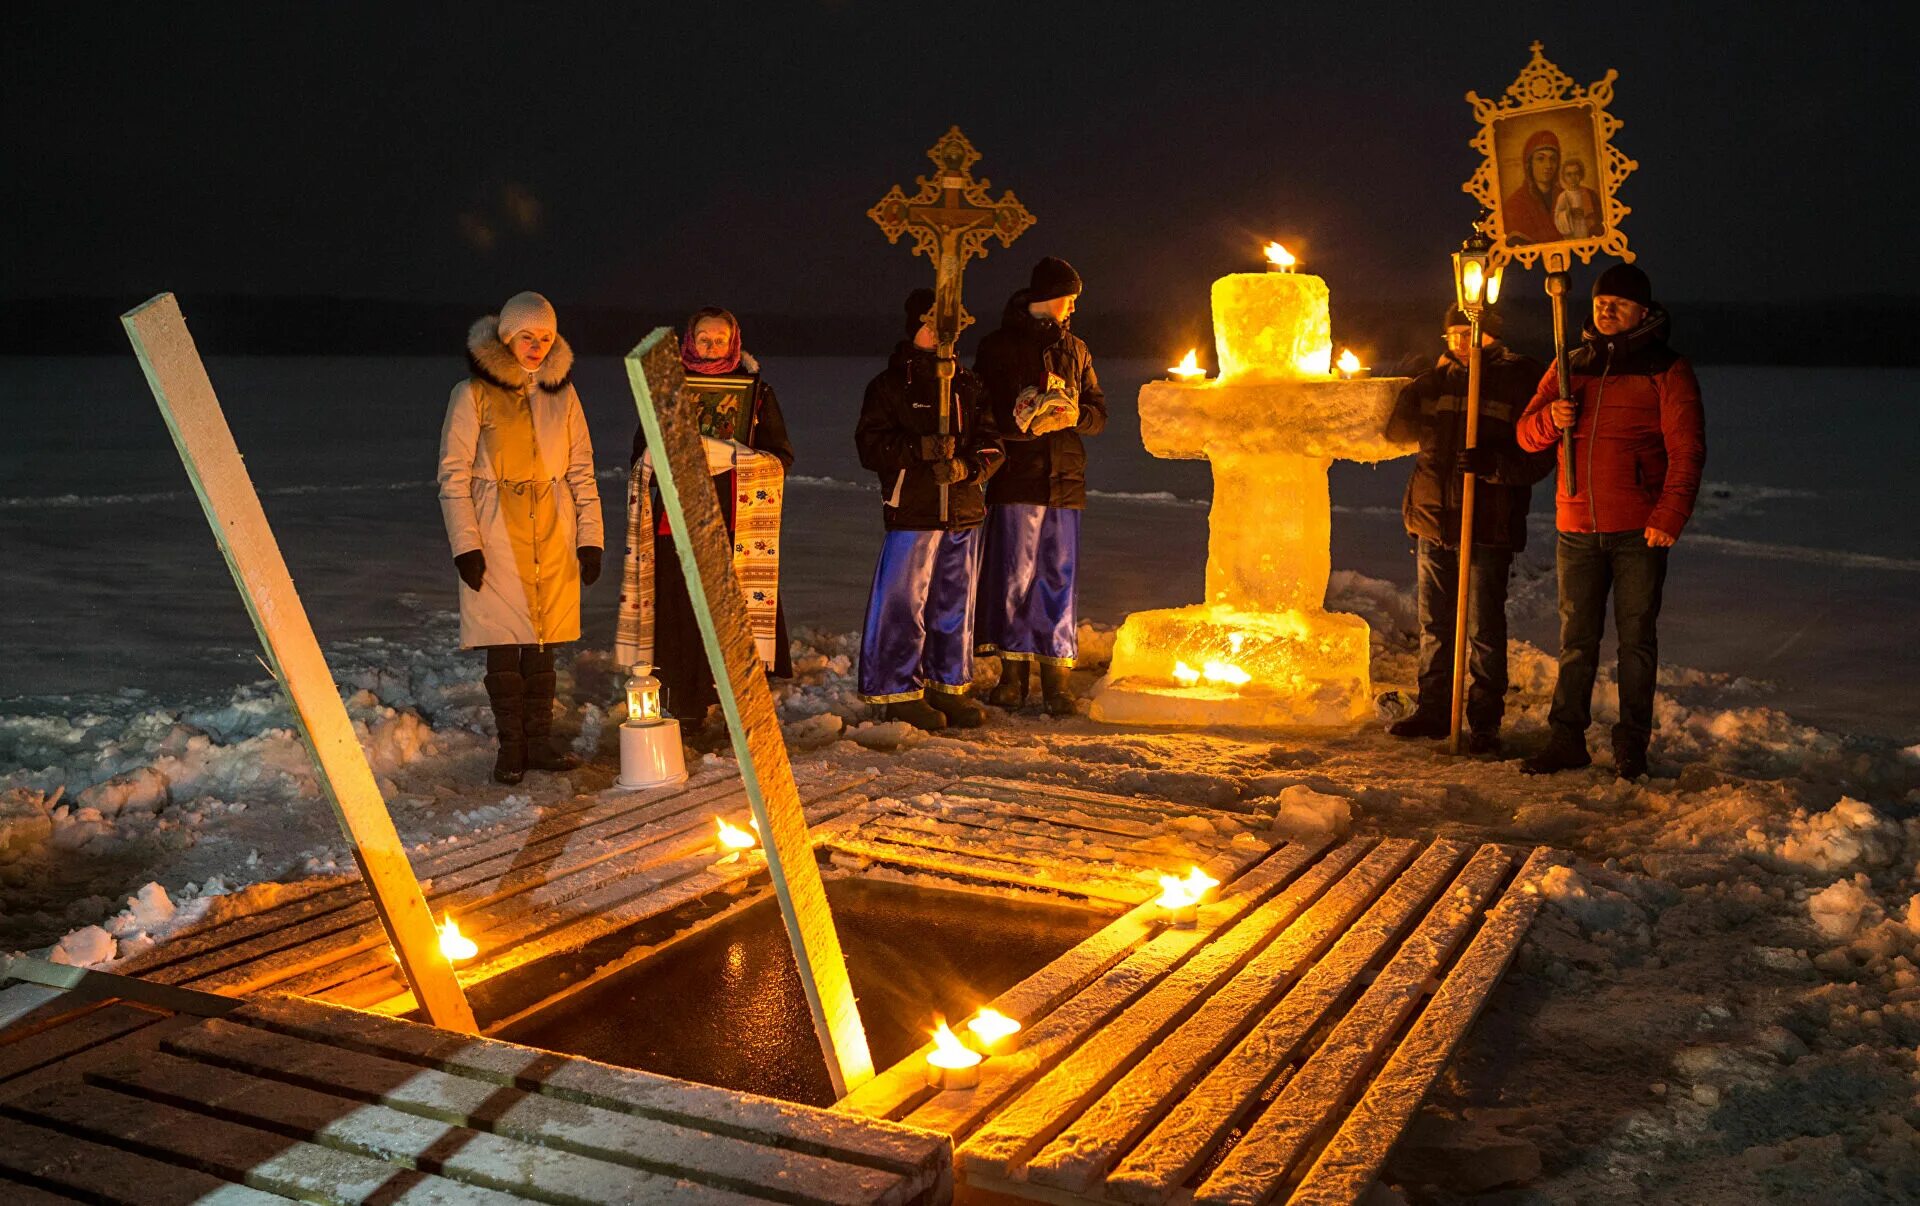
524,311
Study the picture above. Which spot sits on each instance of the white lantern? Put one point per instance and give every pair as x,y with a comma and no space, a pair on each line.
650,753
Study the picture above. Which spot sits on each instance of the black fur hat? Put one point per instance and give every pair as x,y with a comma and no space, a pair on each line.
1624,280
1052,277
919,302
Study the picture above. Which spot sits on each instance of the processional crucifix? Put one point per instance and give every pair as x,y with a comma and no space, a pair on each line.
951,219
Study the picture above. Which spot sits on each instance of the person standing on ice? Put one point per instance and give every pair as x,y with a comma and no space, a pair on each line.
744,434
1043,397
916,649
1639,444
1432,410
523,516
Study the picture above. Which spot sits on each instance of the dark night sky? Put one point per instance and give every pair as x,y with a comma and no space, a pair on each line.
729,152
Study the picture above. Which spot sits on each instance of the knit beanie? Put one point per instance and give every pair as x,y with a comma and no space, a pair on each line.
1490,320
1052,278
1624,280
918,303
525,311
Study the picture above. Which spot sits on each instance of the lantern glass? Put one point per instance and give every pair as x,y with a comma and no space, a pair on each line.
643,696
1472,280
1493,284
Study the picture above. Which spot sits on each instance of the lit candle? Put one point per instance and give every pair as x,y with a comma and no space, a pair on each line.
991,1032
951,1064
1189,368
732,837
457,947
1350,367
1180,898
1279,259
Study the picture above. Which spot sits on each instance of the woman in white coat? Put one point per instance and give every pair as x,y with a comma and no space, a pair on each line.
523,517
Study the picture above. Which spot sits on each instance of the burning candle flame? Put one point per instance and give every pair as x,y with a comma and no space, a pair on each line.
1189,366
457,947
948,1051
734,838
1226,672
1280,257
1349,363
1178,893
990,1026
1184,674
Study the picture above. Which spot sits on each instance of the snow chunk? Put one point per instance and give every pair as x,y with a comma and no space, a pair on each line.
87,947
1595,909
888,735
1305,812
1839,909
1848,835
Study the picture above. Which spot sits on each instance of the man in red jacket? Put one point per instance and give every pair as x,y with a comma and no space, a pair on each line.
1639,442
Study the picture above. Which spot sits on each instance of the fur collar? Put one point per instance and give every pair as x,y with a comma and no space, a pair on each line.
493,361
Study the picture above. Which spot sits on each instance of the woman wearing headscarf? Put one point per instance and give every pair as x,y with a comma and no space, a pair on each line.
523,517
748,455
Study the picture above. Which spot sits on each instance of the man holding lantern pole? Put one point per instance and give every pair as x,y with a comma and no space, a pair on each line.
1432,411
1639,445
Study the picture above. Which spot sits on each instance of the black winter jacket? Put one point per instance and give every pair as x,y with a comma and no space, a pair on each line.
1049,469
1433,410
903,404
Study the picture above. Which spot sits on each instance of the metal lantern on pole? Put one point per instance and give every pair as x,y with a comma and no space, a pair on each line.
650,752
1476,286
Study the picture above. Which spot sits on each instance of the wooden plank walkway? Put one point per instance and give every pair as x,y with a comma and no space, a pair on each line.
1274,1053
597,867
116,1099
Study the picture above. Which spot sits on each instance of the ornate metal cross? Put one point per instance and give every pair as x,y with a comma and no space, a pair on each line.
951,219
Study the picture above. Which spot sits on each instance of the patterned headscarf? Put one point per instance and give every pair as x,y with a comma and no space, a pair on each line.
724,363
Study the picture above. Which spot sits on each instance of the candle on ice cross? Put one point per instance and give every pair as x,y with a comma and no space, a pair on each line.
1262,649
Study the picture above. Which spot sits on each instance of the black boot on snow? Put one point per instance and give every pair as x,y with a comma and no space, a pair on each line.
1563,752
918,713
541,755
1011,691
1422,724
504,692
961,710
1056,687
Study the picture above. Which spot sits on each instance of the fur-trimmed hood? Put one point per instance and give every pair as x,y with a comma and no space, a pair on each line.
493,361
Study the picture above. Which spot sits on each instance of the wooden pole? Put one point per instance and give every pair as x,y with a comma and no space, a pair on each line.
1557,282
205,443
706,555
1462,597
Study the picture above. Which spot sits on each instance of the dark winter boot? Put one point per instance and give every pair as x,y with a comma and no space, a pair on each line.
1564,752
541,755
1629,758
1011,692
918,713
504,692
1422,724
960,709
1057,689
1483,741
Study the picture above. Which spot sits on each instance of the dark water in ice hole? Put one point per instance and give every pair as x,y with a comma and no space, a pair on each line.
726,1008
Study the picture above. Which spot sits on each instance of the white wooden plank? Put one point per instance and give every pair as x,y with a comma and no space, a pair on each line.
706,557
1154,1171
1316,1097
200,433
1066,1089
1355,1155
101,1172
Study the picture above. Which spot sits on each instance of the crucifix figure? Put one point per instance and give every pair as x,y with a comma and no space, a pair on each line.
951,219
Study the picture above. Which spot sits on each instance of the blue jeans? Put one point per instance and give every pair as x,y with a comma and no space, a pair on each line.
1438,573
1591,564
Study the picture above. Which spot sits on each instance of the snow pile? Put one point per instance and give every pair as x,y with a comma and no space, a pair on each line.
1596,909
1304,813
1850,834
1839,910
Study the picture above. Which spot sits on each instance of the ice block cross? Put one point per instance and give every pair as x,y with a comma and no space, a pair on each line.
1262,650
1271,426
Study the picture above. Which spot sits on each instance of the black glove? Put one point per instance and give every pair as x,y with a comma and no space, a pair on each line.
949,471
935,447
472,567
589,564
1480,461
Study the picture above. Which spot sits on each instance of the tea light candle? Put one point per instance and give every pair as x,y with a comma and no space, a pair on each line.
951,1064
991,1032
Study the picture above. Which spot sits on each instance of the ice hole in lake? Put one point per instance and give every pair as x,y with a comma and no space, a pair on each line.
725,1007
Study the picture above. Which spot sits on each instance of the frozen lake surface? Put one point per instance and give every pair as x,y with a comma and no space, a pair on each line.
1798,571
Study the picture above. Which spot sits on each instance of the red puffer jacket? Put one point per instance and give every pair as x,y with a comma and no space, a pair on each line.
1640,440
